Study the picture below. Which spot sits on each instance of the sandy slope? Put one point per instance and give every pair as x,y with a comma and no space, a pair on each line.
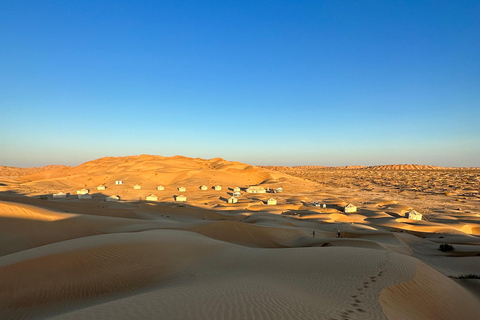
104,270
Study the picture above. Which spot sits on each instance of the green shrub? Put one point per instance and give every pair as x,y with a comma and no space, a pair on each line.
445,247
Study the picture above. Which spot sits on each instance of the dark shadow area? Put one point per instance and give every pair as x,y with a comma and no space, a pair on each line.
394,214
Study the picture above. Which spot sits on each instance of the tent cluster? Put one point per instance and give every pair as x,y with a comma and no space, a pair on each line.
85,193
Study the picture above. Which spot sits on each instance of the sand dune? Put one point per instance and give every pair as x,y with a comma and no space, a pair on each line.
209,259
145,169
15,172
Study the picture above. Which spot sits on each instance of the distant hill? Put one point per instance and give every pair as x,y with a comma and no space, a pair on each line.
151,171
406,167
376,167
15,172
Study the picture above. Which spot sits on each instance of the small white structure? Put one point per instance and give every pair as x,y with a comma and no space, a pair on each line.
85,196
271,202
349,208
279,190
151,197
137,187
181,198
112,198
236,189
59,195
161,188
324,205
204,187
232,200
217,187
182,189
413,215
119,182
83,191
256,189
237,194
101,187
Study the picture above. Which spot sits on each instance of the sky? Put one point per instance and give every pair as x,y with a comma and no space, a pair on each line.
262,82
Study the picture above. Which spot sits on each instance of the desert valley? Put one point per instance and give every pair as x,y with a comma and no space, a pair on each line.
153,237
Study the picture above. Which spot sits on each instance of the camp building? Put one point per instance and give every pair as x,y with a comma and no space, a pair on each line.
161,188
232,200
413,215
349,208
204,187
59,195
256,189
181,198
83,191
182,189
137,187
151,197
112,198
217,187
271,202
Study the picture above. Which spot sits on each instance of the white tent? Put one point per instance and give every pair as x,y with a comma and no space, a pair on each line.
413,215
151,197
256,189
59,195
112,198
181,198
83,191
350,208
271,202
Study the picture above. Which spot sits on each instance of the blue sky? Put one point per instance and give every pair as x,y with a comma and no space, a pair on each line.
262,82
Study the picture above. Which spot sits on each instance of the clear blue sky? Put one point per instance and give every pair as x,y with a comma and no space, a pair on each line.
262,82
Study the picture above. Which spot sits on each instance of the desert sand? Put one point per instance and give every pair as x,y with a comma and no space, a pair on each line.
204,258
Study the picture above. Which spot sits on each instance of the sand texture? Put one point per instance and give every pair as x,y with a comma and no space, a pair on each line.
205,258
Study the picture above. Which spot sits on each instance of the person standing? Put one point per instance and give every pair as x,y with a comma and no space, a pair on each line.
338,233
313,233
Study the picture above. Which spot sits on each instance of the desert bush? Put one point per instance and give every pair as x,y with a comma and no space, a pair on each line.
445,247
467,276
